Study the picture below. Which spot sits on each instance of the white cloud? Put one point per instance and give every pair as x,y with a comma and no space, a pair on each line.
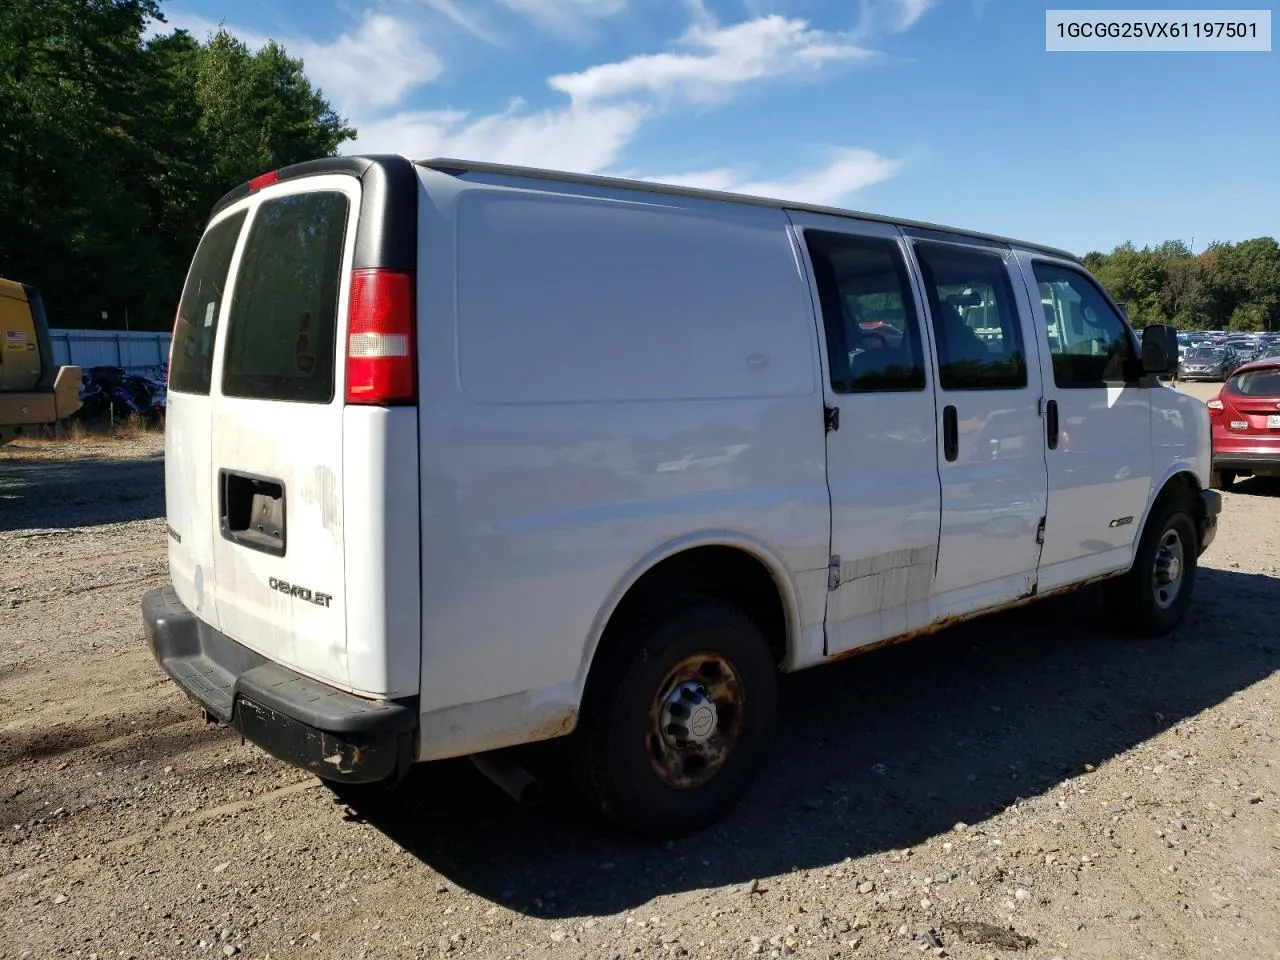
369,71
721,59
376,65
699,12
582,139
848,170
609,103
565,17
909,11
452,11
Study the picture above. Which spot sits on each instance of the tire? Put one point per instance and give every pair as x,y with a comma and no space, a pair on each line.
1222,479
1137,602
672,784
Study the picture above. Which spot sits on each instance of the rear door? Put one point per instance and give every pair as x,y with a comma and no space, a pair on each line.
275,483
991,436
189,506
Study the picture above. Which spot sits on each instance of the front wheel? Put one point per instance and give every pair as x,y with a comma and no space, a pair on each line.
676,718
1152,598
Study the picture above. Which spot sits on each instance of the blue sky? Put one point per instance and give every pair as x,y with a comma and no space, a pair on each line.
943,110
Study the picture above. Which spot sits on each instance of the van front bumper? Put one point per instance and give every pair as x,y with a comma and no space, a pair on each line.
334,734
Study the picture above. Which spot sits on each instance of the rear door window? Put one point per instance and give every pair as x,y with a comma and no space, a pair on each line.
196,327
283,323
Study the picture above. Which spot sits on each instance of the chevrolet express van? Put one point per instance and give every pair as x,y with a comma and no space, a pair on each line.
463,456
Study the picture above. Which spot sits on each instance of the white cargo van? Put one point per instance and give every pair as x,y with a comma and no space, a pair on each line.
463,456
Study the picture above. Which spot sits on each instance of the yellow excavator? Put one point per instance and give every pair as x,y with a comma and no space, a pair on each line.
33,391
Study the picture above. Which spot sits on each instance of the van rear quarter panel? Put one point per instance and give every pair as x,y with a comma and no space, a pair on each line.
602,373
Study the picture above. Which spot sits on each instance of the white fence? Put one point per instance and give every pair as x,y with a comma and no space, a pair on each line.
138,352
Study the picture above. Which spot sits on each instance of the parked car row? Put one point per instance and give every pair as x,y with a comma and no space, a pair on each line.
1215,356
1208,363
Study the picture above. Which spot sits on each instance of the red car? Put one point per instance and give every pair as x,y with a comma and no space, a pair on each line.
1246,423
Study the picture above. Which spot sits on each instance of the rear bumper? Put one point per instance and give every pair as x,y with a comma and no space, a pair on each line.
1261,463
332,733
1210,507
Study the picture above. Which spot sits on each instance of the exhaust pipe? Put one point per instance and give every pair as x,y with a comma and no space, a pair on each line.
514,780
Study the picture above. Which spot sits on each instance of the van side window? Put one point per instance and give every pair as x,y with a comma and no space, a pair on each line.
975,320
283,322
196,326
873,335
1089,342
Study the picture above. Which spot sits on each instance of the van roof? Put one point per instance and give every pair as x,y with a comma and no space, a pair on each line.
450,165
359,165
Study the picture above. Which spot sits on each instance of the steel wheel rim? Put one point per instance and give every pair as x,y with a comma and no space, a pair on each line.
695,720
1169,568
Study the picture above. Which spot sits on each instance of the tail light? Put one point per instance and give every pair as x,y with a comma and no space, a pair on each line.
264,180
1215,406
381,366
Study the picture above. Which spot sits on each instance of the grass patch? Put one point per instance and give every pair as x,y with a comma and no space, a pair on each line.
127,428
79,431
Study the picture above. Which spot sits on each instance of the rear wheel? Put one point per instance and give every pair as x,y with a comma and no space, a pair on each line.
1222,479
1152,598
676,717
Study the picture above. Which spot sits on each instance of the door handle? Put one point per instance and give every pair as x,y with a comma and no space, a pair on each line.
950,434
1051,423
252,511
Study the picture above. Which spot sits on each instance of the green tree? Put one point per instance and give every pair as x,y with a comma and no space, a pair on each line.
258,111
72,145
1236,285
1134,277
1254,268
1248,318
1221,295
113,148
1182,297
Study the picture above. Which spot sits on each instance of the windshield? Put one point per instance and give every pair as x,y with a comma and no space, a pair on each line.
1206,353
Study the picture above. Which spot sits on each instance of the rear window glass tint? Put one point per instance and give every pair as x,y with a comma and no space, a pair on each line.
283,321
196,328
1257,383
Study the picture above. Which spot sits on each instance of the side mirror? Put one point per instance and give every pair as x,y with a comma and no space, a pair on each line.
1159,348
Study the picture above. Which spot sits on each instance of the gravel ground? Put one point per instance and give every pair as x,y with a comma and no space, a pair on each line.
1030,785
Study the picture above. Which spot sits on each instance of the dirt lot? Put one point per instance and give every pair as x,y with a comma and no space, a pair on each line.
1104,797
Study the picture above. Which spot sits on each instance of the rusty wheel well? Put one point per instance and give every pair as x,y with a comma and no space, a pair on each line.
726,573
